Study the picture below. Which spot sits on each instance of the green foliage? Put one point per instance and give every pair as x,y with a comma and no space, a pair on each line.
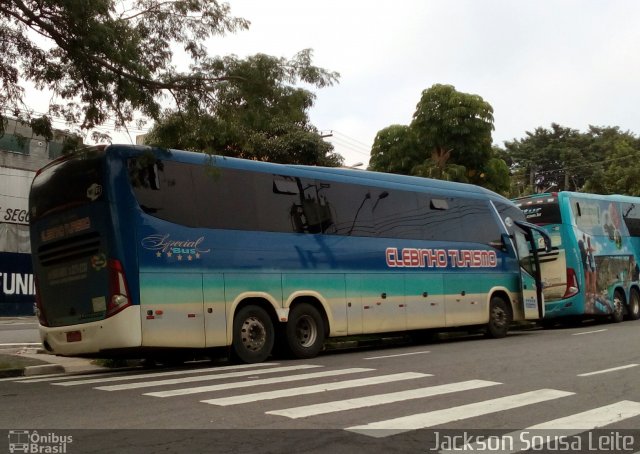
560,158
454,125
449,139
104,58
615,169
395,150
258,114
111,60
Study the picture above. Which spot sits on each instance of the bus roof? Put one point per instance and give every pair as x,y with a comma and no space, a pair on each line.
339,174
584,195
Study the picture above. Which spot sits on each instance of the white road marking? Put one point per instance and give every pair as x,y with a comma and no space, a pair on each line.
605,371
589,332
161,374
179,381
568,426
379,399
247,384
312,389
380,429
398,355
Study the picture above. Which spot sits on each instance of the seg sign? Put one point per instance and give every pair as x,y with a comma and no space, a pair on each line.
14,210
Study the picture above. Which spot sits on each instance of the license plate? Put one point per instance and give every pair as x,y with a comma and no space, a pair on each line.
74,336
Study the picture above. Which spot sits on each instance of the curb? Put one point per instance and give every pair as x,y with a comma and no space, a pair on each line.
11,373
43,369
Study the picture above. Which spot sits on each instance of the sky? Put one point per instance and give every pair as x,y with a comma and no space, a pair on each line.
536,62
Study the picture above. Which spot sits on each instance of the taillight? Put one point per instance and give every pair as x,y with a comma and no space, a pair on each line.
572,284
118,290
39,310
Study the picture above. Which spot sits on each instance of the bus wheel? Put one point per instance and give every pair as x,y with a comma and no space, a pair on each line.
618,306
253,334
305,331
634,305
499,318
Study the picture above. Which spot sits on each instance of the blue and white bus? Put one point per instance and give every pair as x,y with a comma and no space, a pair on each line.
592,269
139,251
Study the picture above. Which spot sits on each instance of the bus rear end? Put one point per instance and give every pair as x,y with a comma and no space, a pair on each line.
84,303
560,271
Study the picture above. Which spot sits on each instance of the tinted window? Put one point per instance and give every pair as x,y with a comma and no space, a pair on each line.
224,198
457,219
70,183
213,197
631,217
164,189
508,214
541,210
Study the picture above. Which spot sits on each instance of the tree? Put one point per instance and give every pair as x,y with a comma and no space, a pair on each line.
109,60
448,139
565,159
550,158
454,127
614,171
258,114
394,150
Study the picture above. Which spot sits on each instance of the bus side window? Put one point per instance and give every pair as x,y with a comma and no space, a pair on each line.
631,217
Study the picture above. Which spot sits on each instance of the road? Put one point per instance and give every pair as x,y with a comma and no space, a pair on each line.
18,330
410,397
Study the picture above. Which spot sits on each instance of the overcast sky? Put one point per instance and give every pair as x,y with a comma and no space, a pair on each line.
573,62
536,62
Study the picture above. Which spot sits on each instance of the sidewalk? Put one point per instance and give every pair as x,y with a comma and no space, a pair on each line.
29,361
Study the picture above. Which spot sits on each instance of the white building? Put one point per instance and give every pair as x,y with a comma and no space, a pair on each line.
21,154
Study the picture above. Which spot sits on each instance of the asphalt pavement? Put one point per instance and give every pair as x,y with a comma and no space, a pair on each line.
20,344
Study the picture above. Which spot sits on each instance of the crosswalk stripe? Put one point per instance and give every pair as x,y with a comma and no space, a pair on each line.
161,374
567,426
220,376
403,424
379,399
592,419
266,381
605,371
23,379
56,377
312,389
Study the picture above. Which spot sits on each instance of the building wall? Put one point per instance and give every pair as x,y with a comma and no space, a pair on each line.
19,160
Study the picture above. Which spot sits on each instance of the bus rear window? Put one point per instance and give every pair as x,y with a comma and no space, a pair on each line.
540,210
66,184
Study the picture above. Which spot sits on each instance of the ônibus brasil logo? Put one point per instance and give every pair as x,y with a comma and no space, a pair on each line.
31,441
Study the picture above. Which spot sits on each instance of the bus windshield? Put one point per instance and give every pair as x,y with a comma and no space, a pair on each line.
540,210
77,182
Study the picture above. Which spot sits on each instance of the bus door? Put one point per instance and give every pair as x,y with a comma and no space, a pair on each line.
528,241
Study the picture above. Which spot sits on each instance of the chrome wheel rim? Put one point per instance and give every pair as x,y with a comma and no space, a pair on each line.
254,334
306,331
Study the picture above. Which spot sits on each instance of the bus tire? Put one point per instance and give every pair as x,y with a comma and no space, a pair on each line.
618,306
253,334
499,318
633,308
305,331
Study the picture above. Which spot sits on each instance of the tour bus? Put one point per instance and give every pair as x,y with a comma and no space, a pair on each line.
141,251
592,268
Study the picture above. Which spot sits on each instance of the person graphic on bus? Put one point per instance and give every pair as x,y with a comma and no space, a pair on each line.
634,269
608,226
585,260
591,287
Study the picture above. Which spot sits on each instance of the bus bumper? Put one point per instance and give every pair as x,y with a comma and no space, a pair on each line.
123,330
562,308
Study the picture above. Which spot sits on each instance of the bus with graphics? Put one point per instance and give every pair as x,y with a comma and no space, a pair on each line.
141,251
592,268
